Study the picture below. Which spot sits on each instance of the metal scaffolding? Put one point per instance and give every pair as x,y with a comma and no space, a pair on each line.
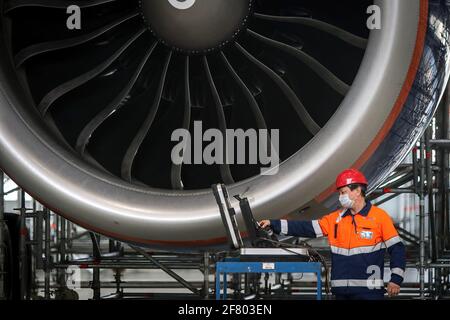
428,178
48,245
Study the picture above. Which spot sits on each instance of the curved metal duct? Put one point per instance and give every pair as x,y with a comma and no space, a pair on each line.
86,115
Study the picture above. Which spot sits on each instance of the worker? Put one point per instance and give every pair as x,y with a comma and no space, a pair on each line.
359,234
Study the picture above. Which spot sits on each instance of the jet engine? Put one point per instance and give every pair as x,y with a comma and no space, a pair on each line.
88,108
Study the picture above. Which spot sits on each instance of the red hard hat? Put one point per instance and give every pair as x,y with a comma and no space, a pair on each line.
350,176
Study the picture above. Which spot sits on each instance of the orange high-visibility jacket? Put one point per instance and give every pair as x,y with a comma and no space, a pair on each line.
358,245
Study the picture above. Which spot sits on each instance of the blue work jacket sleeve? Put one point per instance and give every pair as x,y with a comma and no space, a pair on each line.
304,229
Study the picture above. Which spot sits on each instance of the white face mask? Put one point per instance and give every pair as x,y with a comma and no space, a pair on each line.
345,201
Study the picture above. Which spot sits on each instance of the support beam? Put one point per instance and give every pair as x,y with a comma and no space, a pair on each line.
2,249
422,219
96,284
47,262
166,270
206,275
429,179
23,248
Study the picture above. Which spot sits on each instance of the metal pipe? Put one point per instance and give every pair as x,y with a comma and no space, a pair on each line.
430,281
445,175
33,241
96,284
431,213
62,249
422,219
177,285
112,245
2,241
397,175
439,197
398,183
57,255
142,265
115,257
62,239
394,190
410,166
11,191
379,203
166,270
441,143
69,226
206,275
415,170
123,266
439,265
39,237
70,240
22,247
137,284
95,246
118,280
2,194
400,176
47,263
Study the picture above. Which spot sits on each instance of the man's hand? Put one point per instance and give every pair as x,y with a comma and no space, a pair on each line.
393,289
264,223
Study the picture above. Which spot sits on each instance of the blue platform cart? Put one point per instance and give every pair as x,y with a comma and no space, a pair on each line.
226,267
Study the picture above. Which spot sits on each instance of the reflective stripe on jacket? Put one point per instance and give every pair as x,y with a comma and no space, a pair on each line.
358,244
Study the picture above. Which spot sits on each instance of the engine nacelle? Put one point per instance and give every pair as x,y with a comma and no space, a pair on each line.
86,116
